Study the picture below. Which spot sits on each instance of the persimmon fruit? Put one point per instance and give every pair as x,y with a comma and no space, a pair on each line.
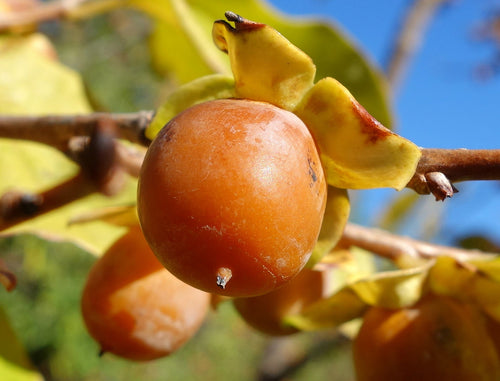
265,313
439,338
134,308
231,196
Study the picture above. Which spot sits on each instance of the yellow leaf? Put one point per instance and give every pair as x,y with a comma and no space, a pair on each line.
125,215
265,65
342,307
336,215
356,150
340,304
449,277
200,90
14,362
176,29
32,83
486,285
487,293
95,237
392,289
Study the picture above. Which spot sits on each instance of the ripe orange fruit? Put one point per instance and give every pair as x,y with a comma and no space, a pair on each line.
266,312
437,339
232,195
134,307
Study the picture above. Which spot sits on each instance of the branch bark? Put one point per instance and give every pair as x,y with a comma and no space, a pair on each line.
396,248
58,130
54,10
436,172
17,207
103,163
438,169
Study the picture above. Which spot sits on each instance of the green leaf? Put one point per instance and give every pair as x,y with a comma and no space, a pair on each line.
14,362
200,90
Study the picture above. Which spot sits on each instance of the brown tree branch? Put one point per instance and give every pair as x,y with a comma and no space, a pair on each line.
17,207
438,169
37,13
436,172
54,10
102,169
395,247
58,130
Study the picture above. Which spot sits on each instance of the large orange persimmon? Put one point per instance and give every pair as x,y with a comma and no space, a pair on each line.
437,339
136,309
232,195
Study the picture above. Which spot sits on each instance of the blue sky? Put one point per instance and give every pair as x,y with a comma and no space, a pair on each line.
441,103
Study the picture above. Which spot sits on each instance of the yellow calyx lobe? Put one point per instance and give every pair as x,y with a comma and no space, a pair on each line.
265,65
356,150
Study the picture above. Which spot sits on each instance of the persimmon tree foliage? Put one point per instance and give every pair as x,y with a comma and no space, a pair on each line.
240,184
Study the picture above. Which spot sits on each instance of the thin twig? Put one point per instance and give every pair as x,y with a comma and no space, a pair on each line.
101,170
58,130
408,38
42,12
55,10
438,169
395,247
16,207
436,172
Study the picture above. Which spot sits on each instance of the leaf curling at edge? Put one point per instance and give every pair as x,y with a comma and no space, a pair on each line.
265,65
333,52
357,151
390,289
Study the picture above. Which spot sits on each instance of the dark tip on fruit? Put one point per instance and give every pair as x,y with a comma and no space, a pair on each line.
241,23
223,277
101,352
231,16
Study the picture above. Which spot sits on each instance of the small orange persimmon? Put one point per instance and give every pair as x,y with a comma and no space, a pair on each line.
232,195
439,338
265,313
136,309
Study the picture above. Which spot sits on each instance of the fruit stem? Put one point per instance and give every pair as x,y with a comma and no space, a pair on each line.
224,275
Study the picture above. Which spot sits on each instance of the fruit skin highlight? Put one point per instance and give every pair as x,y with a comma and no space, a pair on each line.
235,185
437,339
136,309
